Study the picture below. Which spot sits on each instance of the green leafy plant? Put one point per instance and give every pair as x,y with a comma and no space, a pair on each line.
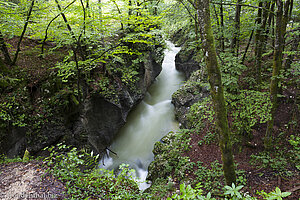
295,152
233,191
275,195
186,192
231,71
278,162
211,178
248,108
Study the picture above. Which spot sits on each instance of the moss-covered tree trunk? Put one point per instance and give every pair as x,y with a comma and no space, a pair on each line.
217,93
236,32
258,45
277,65
260,40
4,50
269,26
222,27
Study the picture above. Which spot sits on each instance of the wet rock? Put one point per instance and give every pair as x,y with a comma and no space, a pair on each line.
186,63
193,91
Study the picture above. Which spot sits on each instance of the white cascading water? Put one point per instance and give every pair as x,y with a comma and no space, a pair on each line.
148,122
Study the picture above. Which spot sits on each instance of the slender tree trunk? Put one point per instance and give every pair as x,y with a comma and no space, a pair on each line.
196,29
277,65
247,47
269,23
222,27
47,28
77,41
4,50
1,64
260,43
217,92
100,10
84,16
273,32
130,9
236,34
120,13
23,33
294,48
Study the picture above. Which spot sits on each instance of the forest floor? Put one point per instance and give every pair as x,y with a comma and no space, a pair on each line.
259,177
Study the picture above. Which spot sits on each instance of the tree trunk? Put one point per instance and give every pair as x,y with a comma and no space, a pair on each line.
247,47
270,20
23,33
217,93
260,41
236,32
4,50
222,27
258,45
277,65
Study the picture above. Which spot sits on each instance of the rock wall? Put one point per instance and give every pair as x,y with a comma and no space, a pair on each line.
103,119
94,125
185,62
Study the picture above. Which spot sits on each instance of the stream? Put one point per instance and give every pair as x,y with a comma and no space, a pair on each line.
152,119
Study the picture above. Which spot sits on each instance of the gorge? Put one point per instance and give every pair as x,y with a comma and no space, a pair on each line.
148,122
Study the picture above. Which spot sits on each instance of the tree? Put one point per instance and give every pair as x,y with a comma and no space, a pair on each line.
281,22
4,50
236,33
262,17
216,89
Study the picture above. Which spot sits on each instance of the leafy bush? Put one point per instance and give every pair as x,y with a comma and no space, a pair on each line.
78,170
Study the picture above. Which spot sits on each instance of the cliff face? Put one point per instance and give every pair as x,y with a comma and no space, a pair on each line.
94,124
103,119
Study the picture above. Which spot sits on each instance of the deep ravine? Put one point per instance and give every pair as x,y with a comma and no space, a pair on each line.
148,122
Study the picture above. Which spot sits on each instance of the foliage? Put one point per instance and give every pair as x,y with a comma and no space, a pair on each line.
77,169
5,160
232,192
277,194
248,108
231,69
295,152
201,113
210,177
277,162
187,192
